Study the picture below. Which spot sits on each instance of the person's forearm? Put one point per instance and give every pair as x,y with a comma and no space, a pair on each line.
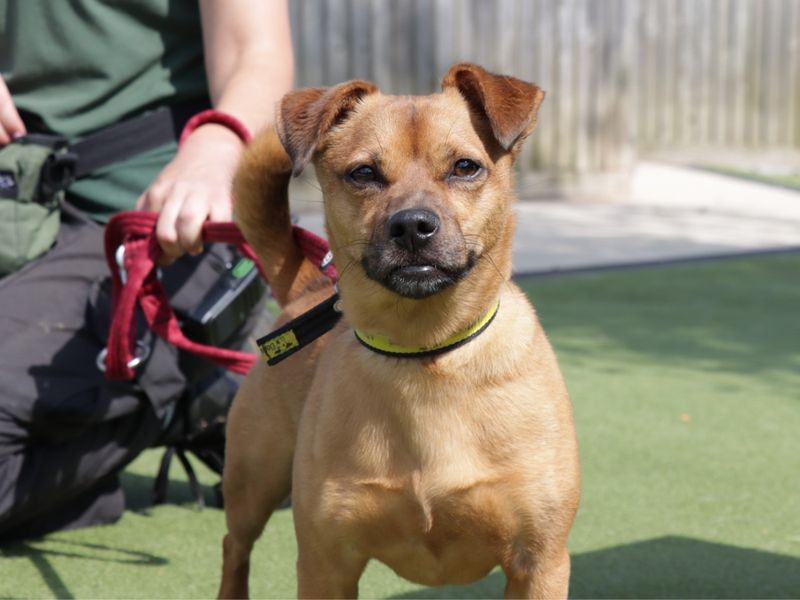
253,89
249,66
249,60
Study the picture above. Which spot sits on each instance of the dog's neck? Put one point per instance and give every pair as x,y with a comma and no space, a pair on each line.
430,322
383,344
427,322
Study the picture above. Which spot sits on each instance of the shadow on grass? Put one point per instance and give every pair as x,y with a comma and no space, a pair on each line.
40,554
139,498
678,567
139,492
668,567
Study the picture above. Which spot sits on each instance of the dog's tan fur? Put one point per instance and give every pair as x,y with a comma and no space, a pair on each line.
440,467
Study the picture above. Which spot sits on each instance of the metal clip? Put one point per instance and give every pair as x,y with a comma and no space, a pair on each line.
142,354
119,256
326,261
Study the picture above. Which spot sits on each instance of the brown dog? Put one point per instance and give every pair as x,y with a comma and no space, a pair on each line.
455,452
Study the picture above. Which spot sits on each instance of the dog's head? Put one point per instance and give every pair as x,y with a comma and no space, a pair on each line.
417,188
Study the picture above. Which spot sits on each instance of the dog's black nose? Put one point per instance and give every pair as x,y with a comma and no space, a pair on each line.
412,228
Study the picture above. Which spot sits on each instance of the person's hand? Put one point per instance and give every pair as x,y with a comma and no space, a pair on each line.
11,125
194,187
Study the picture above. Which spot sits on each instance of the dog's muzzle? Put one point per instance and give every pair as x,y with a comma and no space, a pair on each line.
413,257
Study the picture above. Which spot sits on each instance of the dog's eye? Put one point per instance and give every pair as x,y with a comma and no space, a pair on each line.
465,168
364,174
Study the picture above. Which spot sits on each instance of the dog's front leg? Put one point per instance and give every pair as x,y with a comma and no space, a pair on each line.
328,563
259,451
323,574
247,513
546,577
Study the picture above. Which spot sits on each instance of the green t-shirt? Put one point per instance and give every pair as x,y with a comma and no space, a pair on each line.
78,66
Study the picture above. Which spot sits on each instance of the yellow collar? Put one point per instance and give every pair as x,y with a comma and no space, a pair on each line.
383,345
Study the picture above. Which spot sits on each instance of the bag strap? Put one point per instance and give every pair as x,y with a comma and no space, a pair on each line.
135,283
123,140
130,137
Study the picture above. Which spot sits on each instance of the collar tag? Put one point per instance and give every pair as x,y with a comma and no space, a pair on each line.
301,331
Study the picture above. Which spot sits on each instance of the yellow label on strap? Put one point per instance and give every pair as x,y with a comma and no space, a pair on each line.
279,345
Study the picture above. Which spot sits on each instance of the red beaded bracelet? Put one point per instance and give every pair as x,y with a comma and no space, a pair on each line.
218,117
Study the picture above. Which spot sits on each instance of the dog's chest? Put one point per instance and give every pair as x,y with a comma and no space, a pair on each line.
421,525
430,501
423,482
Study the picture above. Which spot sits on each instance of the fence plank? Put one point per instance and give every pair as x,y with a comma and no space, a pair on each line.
622,76
793,95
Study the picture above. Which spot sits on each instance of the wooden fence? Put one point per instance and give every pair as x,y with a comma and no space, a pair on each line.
623,77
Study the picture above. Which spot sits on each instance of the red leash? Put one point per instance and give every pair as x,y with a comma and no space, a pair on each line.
136,283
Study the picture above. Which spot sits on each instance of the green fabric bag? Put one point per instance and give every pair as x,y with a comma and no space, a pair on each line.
34,172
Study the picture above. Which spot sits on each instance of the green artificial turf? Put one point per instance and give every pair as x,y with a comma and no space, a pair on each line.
686,387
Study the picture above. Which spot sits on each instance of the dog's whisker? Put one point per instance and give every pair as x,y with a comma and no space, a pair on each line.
357,243
378,141
352,263
312,184
449,131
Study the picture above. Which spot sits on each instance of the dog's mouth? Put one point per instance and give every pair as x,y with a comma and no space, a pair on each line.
416,253
419,279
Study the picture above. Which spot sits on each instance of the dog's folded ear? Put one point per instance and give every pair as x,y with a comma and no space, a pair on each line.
509,104
305,115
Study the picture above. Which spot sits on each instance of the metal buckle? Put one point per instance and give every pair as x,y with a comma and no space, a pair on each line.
57,173
326,261
119,257
142,354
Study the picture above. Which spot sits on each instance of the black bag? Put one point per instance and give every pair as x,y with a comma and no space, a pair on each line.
217,298
58,409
